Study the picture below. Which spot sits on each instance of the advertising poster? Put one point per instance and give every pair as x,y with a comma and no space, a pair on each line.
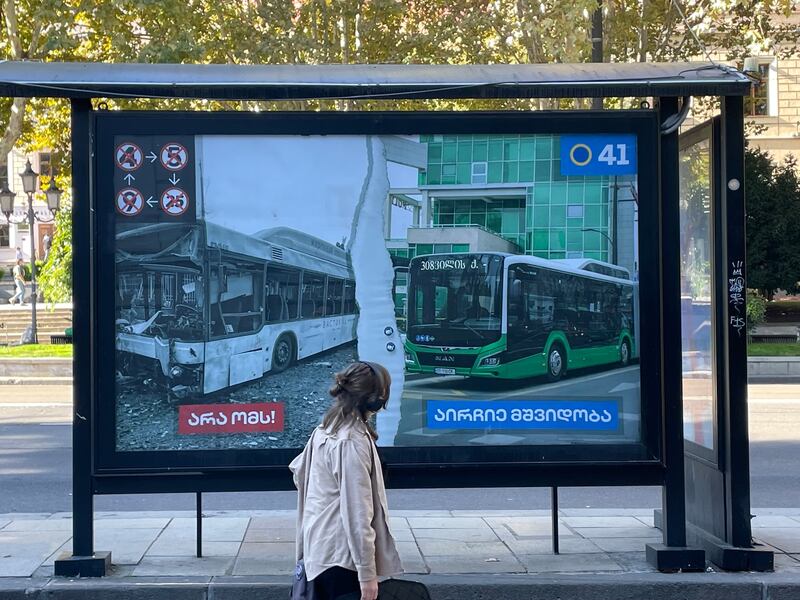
495,276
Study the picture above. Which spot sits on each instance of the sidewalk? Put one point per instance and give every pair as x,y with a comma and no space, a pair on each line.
599,547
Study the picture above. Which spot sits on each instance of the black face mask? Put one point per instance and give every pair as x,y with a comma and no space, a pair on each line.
376,402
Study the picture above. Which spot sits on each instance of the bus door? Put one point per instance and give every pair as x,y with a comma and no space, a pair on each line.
531,309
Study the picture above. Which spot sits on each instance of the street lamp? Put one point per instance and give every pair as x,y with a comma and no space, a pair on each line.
29,179
610,241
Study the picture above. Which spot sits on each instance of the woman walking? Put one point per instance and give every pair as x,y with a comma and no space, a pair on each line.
342,522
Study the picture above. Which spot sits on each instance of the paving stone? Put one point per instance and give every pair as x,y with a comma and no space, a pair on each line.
265,558
260,566
774,521
447,523
570,545
21,553
787,540
420,513
277,522
602,522
144,514
502,513
470,564
402,534
216,529
527,527
279,550
621,544
618,532
114,524
183,547
270,535
460,535
39,525
172,566
429,547
787,563
411,558
649,521
4,522
632,562
568,563
606,512
21,515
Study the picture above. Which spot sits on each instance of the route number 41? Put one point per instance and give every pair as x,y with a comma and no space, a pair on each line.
608,155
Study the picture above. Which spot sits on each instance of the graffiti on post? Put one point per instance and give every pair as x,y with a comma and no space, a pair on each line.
736,298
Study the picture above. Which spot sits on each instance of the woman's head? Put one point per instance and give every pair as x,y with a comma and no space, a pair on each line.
360,389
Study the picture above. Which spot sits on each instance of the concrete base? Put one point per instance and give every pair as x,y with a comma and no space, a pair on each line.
727,557
671,559
96,565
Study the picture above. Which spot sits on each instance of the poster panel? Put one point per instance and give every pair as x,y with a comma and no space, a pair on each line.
494,275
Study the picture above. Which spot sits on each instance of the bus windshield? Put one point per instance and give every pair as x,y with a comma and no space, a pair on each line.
454,300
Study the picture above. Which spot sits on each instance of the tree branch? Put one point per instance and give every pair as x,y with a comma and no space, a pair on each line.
12,28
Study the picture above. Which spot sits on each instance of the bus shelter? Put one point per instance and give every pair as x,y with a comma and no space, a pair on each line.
522,273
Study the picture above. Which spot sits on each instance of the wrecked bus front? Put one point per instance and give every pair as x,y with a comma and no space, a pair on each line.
160,315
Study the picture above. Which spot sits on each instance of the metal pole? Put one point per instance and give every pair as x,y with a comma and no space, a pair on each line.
199,522
614,220
34,339
597,45
554,516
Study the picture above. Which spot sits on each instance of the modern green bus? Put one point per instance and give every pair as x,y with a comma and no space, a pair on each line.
512,316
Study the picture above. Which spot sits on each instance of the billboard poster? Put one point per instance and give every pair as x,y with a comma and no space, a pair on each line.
495,276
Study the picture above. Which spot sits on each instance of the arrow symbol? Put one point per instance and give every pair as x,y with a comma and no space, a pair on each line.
152,156
173,180
129,178
151,202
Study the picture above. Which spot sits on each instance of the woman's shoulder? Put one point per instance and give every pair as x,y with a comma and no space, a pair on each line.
352,430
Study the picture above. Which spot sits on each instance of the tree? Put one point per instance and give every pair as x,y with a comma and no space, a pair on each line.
772,194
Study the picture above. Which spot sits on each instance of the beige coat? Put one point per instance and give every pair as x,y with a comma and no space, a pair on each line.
342,516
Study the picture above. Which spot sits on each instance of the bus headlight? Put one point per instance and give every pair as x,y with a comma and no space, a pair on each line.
176,372
490,361
410,358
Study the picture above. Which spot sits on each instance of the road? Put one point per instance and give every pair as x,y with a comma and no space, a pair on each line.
35,465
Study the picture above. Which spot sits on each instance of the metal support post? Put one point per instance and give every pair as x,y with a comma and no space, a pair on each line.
199,522
554,516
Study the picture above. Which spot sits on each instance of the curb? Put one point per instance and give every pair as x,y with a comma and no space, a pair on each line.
655,586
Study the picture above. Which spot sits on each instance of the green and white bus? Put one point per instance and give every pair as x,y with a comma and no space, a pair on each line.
511,316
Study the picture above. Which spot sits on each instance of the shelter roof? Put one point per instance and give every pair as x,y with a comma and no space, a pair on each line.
285,82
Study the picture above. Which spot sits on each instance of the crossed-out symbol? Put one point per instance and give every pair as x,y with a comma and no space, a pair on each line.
174,156
174,201
128,156
130,202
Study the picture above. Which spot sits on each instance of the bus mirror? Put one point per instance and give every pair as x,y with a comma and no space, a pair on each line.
516,290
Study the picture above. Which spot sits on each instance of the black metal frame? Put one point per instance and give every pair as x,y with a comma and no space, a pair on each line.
411,467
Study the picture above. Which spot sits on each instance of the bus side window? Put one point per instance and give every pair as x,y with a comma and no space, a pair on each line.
350,297
334,301
282,291
313,300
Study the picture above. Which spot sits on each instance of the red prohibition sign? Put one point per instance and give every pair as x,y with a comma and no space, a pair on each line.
130,202
174,201
128,156
174,156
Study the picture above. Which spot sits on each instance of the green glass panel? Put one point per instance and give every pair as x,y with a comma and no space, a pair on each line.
592,240
495,172
557,176
460,247
479,151
480,137
462,207
442,248
434,174
493,220
595,255
434,153
541,194
575,223
558,193
605,195
558,216
510,172
542,170
510,222
557,255
528,218
605,215
592,216
574,240
526,149
496,149
477,204
592,194
425,138
450,138
541,254
541,216
446,205
464,173
465,151
541,239
575,193
423,178
526,171
544,147
478,219
444,219
449,153
448,173
463,219
424,249
511,150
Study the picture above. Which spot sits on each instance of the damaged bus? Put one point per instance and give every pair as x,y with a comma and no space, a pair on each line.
201,307
516,316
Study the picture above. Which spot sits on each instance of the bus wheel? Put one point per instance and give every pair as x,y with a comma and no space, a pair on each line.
282,354
625,353
556,362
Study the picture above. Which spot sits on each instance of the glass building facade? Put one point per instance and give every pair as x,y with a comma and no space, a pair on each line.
553,217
